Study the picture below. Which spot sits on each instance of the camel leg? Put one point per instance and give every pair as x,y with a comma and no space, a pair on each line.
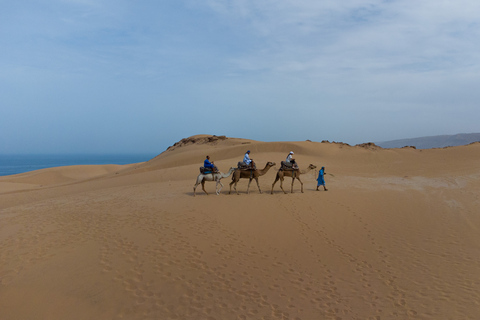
234,182
278,177
248,188
199,180
235,179
258,185
301,183
235,187
293,180
203,187
216,187
273,184
281,185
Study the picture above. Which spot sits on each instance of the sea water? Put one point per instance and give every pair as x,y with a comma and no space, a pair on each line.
19,163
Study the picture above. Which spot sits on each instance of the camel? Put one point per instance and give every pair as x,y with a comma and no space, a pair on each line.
217,176
295,174
249,174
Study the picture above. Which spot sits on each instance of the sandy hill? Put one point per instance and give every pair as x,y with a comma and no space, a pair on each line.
395,237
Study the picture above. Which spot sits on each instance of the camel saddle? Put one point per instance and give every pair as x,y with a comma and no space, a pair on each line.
204,170
288,166
242,166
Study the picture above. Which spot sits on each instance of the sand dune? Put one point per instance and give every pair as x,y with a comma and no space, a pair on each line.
56,176
395,237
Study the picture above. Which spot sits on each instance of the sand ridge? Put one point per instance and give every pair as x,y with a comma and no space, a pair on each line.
395,237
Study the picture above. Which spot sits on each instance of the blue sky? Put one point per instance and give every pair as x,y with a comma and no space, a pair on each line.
137,76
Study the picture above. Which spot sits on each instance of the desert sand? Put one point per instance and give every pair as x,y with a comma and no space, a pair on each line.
396,236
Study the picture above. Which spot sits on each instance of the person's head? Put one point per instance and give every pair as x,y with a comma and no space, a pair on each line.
208,157
323,168
248,151
291,152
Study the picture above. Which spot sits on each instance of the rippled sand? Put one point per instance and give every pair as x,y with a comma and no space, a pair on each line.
397,236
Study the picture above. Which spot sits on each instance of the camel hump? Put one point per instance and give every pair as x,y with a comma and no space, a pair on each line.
287,166
204,170
242,166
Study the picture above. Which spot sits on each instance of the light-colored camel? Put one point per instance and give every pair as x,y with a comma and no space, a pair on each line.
249,174
217,176
295,174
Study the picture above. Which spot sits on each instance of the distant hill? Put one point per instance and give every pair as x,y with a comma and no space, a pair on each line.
433,141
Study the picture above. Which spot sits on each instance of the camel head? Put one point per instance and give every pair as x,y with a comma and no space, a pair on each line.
312,166
268,165
230,171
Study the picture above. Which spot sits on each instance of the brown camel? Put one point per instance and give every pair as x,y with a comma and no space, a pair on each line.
295,174
249,174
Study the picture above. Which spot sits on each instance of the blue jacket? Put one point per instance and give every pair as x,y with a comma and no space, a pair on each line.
208,164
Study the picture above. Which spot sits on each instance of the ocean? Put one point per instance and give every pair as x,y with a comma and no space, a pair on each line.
19,163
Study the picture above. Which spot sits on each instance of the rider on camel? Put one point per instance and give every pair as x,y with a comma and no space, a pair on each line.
209,165
290,161
248,162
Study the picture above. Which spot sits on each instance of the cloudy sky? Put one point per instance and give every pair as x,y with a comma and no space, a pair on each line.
137,76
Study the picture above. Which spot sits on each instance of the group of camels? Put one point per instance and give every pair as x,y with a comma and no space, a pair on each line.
251,175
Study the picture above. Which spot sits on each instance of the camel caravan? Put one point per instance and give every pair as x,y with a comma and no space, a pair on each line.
247,169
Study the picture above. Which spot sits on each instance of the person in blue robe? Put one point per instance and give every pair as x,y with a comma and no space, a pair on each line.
209,165
321,179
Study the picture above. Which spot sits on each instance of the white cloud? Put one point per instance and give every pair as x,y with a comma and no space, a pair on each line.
373,35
